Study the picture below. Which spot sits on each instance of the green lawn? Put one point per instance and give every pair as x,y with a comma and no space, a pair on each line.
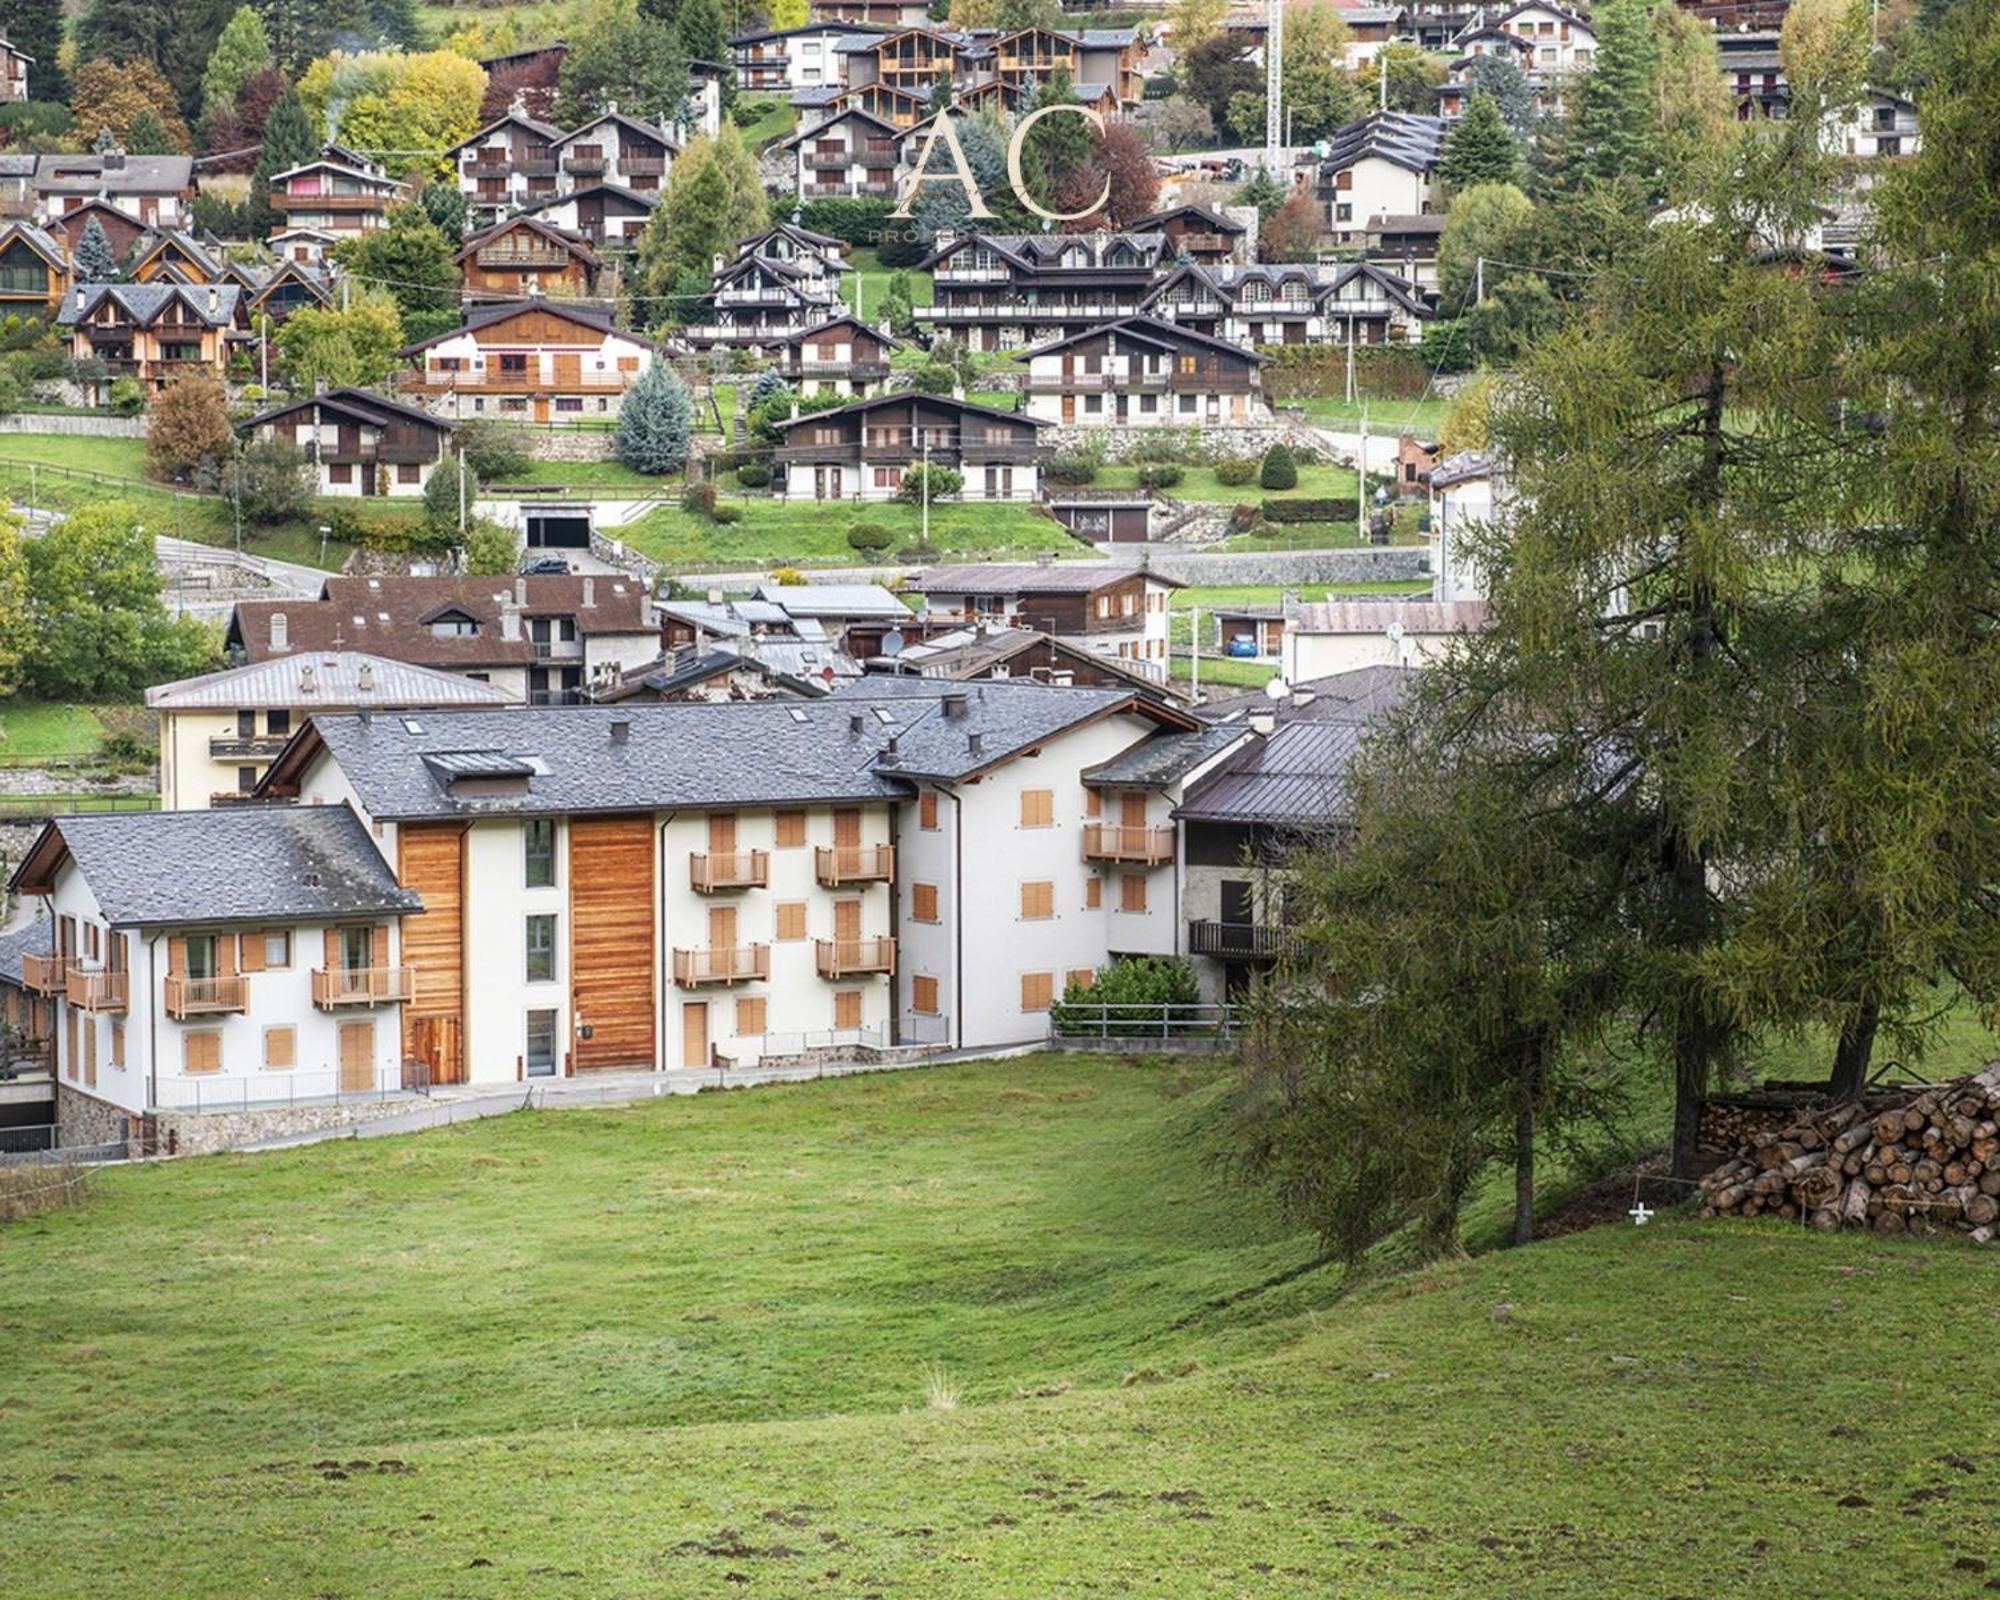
777,533
47,730
775,118
875,281
1200,483
988,1330
1217,669
1422,417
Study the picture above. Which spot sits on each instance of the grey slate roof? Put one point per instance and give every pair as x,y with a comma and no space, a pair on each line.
144,302
32,936
232,864
694,756
1295,777
1167,757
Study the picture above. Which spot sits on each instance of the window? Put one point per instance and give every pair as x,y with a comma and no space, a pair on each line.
1038,990
540,1059
923,902
1038,808
924,995
339,472
569,402
1079,978
1132,892
751,1012
927,810
277,723
1093,892
847,1008
246,779
201,955
539,839
201,1052
791,919
791,829
409,472
541,945
246,724
269,951
1038,900
281,1049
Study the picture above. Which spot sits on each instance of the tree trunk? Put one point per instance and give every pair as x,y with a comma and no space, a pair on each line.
1857,1045
1524,1171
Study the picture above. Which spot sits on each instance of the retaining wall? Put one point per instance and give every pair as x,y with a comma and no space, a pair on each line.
101,427
84,1119
1287,568
200,1133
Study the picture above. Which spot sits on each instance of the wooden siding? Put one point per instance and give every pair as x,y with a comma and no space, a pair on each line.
430,858
611,939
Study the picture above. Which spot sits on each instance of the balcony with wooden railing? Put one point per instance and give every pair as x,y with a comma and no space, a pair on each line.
712,870
721,964
96,991
362,986
204,997
1109,841
247,746
854,863
45,973
585,166
521,258
643,166
847,958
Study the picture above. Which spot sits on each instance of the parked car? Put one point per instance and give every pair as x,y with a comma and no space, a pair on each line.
1243,645
545,566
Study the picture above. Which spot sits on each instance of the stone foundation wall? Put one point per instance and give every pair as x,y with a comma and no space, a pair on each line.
84,1119
100,426
1194,444
572,444
197,1133
1285,568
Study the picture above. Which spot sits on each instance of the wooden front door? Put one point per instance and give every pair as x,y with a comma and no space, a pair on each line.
541,408
694,1033
1069,410
357,1057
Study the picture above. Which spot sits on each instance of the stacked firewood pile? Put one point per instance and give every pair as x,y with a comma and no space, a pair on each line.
1904,1160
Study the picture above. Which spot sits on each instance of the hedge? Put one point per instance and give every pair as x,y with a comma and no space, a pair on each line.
1308,510
857,220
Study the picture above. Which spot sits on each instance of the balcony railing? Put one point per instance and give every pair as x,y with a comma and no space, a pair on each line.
838,369
854,863
1242,941
709,871
247,746
536,166
45,974
506,258
362,986
1109,841
827,160
584,164
737,964
96,991
843,958
829,191
643,166
877,158
557,649
1192,242
196,997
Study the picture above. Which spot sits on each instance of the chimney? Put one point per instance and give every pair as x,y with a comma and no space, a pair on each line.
956,706
520,591
590,591
1301,698
366,679
975,744
889,756
280,631
621,731
308,681
510,622
854,724
1263,721
79,299
214,300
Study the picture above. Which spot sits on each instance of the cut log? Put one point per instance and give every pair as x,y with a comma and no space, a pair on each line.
1854,1209
1981,1209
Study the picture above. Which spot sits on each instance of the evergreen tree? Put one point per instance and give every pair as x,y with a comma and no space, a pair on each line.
1261,190
1502,78
175,36
242,50
655,422
408,257
1057,148
444,204
626,58
1480,149
96,261
289,139
148,136
1614,135
36,27
699,29
712,199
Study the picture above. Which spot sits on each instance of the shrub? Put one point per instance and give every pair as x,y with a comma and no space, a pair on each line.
1159,475
1161,444
441,495
870,536
932,484
919,552
1077,468
188,437
1308,510
273,481
699,498
1132,981
126,752
754,475
490,548
857,220
787,577
1242,519
496,452
1235,472
1279,470
127,397
723,515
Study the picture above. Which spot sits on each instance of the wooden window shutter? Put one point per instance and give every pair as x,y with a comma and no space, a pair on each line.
927,809
791,829
721,833
1093,892
750,1014
1132,892
332,962
924,995
225,955
118,1043
177,956
1080,978
1093,803
90,1053
1038,808
847,1008
791,919
281,1048
378,945
846,828
253,951
1037,990
923,902
1038,899
201,1052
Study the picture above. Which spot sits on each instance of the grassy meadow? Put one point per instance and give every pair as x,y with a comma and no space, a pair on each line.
998,1329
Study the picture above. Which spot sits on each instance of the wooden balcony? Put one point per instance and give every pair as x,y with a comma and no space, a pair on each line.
247,746
1207,243
736,869
203,997
362,986
96,991
736,964
45,973
643,166
827,160
854,863
1146,847
585,166
508,258
846,958
331,202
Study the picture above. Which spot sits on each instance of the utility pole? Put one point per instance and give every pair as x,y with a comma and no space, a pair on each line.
1382,59
1194,644
925,497
1361,481
461,499
1274,84
1479,280
1350,358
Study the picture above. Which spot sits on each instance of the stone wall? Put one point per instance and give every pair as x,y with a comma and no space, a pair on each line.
1285,568
1193,444
104,426
83,1119
198,1133
572,444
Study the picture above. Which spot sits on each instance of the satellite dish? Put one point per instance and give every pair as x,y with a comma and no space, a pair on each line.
892,644
1276,689
1395,632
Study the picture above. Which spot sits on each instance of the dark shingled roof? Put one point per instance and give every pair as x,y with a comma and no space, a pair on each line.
1167,757
33,935
1295,777
232,864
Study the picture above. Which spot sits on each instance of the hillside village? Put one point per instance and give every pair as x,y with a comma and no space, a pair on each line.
1308,640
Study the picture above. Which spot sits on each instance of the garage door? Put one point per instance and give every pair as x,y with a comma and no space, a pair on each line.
565,530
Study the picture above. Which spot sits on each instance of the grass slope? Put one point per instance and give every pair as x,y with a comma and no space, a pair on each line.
687,1348
778,533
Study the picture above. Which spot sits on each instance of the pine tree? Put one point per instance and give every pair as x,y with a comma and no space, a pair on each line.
242,50
288,140
96,261
655,421
1614,134
699,28
1480,149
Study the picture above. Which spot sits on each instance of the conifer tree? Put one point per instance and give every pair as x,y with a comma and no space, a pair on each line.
96,261
1614,137
655,421
1480,149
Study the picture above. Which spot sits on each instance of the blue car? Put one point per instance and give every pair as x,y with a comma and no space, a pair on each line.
1242,645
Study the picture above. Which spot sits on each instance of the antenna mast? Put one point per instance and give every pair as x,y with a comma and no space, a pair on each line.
1274,87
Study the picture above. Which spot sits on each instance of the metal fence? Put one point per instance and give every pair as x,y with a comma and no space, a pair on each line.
1166,1022
265,1091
